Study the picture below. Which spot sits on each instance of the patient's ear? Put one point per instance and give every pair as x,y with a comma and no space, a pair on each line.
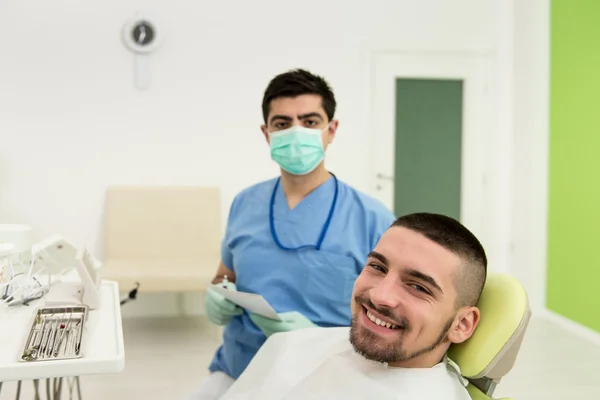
464,325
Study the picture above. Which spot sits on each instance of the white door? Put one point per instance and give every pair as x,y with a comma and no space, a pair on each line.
386,69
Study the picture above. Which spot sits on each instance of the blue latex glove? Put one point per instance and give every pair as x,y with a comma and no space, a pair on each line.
290,321
218,309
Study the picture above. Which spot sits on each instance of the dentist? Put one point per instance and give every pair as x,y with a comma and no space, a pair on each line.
299,240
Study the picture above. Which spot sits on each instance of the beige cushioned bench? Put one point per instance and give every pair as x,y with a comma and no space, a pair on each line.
165,237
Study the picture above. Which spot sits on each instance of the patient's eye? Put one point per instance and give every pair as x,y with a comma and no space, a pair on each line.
419,288
377,267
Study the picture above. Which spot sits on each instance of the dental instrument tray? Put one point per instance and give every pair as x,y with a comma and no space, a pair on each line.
55,333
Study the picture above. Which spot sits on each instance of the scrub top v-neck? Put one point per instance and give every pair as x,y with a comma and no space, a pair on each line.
317,198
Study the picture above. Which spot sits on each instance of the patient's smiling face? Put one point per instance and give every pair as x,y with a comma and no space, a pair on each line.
408,286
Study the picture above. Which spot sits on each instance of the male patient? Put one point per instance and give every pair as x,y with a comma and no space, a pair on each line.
415,297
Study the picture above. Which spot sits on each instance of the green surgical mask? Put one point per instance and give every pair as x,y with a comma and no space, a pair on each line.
297,150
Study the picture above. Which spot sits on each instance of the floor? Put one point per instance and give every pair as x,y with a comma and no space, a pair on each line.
167,357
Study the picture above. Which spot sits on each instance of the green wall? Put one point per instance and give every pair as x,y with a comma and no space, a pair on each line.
574,200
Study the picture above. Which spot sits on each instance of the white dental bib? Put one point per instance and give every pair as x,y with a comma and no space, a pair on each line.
320,363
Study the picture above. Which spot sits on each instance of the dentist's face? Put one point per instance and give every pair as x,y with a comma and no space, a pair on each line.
403,304
305,110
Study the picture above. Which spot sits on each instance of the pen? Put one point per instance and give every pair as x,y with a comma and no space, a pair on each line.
225,282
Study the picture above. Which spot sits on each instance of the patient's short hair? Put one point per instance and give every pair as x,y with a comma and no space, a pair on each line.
452,235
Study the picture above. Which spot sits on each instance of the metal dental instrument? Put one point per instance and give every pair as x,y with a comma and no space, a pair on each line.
32,336
51,338
37,342
29,354
59,333
38,349
65,329
46,339
70,343
48,347
48,334
78,341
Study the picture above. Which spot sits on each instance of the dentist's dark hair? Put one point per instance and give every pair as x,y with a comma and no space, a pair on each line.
452,235
295,83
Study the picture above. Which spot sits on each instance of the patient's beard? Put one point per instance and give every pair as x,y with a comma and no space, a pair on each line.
372,347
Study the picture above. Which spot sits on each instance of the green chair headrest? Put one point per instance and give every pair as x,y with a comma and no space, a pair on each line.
491,351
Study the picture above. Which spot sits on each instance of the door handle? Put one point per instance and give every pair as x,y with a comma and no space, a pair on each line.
386,177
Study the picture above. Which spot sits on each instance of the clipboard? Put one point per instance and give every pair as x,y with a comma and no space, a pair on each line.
254,303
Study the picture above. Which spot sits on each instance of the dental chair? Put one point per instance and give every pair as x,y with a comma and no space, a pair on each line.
491,352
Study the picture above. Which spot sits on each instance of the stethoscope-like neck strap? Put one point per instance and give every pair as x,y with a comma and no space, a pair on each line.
325,225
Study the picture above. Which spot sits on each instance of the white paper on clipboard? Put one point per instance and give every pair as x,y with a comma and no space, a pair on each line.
252,302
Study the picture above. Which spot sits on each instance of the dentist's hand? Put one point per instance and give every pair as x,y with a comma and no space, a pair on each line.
218,309
290,321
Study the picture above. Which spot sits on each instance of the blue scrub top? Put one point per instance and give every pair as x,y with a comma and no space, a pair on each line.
316,283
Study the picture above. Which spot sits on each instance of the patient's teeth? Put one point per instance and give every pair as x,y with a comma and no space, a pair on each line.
380,322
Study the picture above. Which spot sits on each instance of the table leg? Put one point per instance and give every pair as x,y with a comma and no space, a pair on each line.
36,388
18,390
58,388
78,388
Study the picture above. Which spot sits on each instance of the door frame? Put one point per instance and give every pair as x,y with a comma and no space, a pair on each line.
477,134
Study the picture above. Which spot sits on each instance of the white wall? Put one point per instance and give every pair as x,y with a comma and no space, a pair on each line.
71,122
531,65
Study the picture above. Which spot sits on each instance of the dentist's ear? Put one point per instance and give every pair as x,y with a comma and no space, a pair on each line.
265,132
333,126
